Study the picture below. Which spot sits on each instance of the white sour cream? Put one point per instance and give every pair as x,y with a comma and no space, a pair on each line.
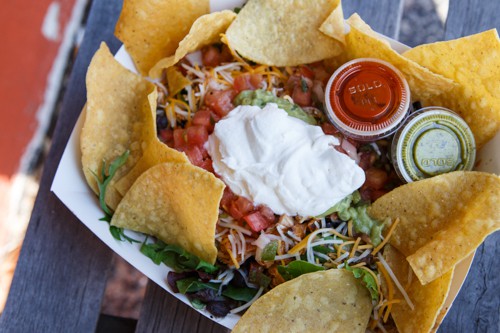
280,161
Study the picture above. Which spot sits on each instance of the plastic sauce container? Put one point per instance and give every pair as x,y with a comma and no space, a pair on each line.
367,99
433,140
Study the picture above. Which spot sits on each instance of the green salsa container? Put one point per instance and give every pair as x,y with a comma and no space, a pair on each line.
433,140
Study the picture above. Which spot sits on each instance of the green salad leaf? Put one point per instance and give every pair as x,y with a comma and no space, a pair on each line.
297,268
367,280
102,184
175,257
270,250
244,294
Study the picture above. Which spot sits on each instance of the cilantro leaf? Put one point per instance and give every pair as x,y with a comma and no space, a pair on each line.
303,85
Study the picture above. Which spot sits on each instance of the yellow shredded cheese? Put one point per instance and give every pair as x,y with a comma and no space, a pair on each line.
386,238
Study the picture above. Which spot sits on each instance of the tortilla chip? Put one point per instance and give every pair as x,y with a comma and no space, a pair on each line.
118,117
323,301
334,25
474,63
283,33
152,30
176,81
156,153
205,30
428,300
363,42
176,202
442,219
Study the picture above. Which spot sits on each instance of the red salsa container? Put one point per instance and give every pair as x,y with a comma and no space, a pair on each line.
367,99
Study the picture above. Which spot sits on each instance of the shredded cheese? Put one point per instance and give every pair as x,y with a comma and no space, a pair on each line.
386,238
394,278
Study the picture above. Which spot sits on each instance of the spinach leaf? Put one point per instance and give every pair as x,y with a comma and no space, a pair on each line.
297,268
175,257
239,293
193,284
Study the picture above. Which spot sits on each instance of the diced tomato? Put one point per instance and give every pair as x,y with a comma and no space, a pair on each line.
196,135
267,213
240,207
180,138
207,165
256,221
195,155
247,81
320,72
329,129
213,56
366,159
167,136
205,117
376,178
227,197
221,101
307,72
302,92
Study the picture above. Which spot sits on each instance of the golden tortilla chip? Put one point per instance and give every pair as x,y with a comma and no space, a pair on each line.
428,300
118,117
176,202
152,30
474,63
363,42
324,301
334,25
442,219
205,30
156,153
176,81
283,33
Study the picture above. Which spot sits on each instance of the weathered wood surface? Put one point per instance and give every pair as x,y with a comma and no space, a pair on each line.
477,306
383,16
59,283
62,270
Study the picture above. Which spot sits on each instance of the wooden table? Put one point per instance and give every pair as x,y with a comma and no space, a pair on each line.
63,268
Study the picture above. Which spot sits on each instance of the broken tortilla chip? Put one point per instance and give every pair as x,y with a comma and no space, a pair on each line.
428,301
323,301
283,33
204,31
334,25
152,30
118,118
176,202
363,42
474,63
442,219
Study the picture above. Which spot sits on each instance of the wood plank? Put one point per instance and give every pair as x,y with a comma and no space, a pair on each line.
61,274
467,17
160,310
383,16
476,307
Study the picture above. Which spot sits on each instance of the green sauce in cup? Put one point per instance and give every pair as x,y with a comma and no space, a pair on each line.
433,141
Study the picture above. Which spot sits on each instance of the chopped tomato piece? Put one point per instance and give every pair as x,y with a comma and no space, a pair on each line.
167,136
195,155
307,72
329,129
267,213
214,56
227,197
302,92
376,178
205,117
180,138
240,207
197,135
221,101
247,81
256,221
207,165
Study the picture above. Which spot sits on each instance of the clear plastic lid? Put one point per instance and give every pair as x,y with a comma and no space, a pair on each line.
367,99
433,140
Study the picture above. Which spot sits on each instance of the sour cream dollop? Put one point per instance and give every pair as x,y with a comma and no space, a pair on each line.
271,158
